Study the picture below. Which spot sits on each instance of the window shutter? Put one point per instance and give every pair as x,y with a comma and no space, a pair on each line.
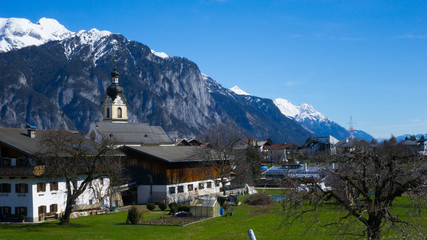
8,188
38,187
51,186
26,188
17,188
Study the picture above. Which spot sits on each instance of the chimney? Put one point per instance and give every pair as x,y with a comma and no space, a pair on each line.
31,131
305,167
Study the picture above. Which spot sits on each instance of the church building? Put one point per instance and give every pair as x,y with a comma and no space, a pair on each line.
158,170
115,123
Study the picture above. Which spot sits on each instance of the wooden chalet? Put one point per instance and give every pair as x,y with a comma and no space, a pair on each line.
168,173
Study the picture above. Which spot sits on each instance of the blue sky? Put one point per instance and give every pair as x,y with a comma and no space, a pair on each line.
362,58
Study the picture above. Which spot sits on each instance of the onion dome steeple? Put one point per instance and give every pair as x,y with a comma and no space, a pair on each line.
114,89
115,109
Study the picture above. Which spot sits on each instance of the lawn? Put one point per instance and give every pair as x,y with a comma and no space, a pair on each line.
265,221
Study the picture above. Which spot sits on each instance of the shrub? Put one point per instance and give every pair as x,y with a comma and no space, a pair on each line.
184,208
134,215
173,207
225,206
162,206
151,206
259,199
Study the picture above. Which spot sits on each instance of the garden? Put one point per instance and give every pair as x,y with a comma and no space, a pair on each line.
265,220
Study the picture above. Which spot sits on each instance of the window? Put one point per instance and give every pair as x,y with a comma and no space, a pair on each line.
108,113
21,211
217,183
180,189
5,188
5,210
53,208
41,187
22,162
5,162
119,112
92,136
201,185
21,188
209,184
190,187
54,186
42,209
171,190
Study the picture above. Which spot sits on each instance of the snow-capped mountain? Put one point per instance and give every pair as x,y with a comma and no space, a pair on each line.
62,82
238,91
314,121
16,33
299,113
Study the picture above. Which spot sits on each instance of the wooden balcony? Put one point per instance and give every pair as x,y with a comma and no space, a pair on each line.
21,171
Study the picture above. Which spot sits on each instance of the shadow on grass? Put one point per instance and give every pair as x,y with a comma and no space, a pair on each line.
37,227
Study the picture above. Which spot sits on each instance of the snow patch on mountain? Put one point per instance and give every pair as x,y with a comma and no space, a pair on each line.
16,33
92,36
299,113
239,91
159,54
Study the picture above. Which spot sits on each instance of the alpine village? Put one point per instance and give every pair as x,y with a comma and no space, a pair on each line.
104,138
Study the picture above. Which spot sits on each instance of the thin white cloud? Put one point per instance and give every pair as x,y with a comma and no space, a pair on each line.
295,36
339,38
411,36
291,83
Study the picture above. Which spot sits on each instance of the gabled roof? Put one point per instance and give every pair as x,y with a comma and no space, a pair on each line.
350,142
133,132
18,139
170,153
203,203
182,142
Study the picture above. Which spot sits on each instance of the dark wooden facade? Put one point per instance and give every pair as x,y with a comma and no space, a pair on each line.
148,170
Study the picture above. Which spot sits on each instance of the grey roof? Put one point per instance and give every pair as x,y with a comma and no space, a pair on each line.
134,132
203,203
171,153
296,170
18,139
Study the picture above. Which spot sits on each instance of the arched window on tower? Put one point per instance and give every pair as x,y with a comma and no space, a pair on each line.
119,112
108,113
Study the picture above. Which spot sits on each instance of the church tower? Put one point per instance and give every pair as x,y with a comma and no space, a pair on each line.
115,109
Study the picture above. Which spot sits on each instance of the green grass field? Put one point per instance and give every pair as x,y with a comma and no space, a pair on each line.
265,221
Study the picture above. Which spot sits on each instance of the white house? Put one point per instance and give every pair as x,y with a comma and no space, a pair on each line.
23,190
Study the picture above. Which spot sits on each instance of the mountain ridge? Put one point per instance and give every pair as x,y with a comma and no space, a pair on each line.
61,83
173,88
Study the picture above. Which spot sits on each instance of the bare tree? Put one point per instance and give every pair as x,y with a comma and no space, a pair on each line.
366,182
77,161
220,155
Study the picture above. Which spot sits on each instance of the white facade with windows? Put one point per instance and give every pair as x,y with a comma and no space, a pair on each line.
40,198
179,193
